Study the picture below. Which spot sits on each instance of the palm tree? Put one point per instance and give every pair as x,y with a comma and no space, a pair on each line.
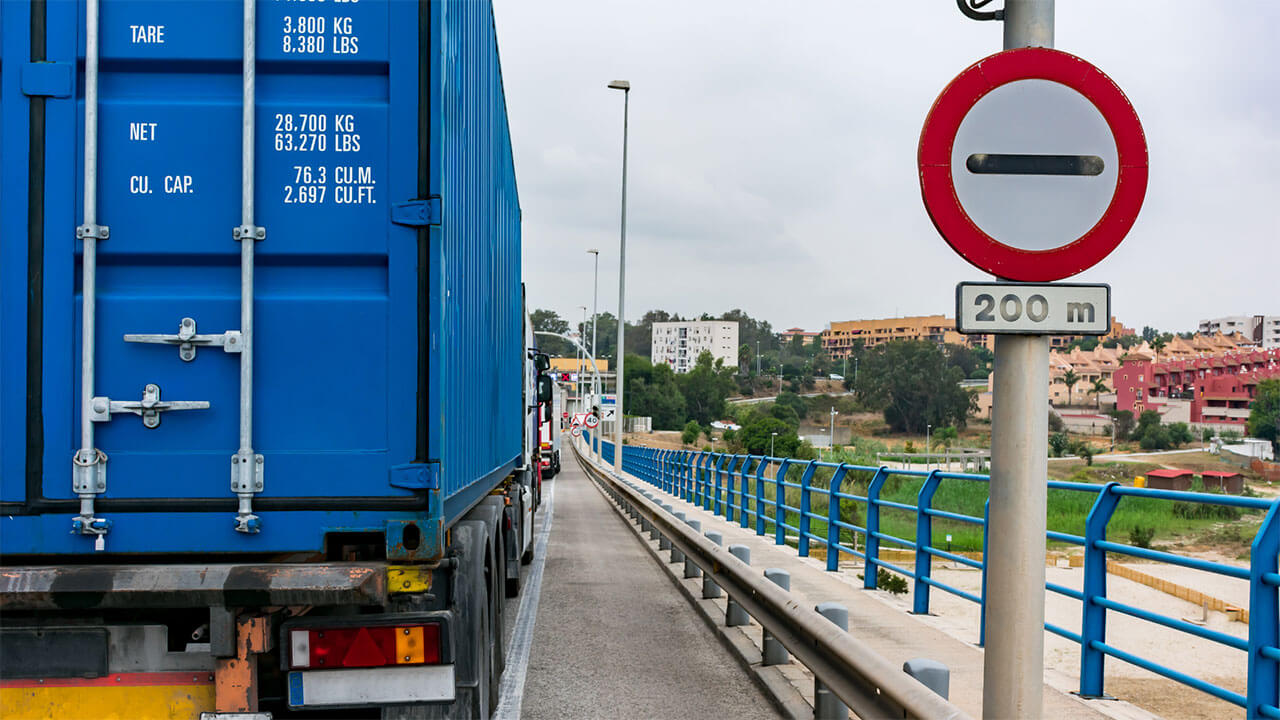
1156,346
1070,378
1098,388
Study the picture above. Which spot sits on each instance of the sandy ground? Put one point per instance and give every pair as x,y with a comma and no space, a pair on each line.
1210,661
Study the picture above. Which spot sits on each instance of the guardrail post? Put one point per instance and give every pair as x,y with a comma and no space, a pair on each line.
826,706
744,478
1264,617
802,522
717,505
1093,623
982,609
691,570
689,459
833,517
759,495
872,566
660,468
728,487
735,614
664,542
709,587
924,541
931,673
773,651
779,497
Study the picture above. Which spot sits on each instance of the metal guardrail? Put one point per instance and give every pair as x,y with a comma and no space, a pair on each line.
859,677
737,488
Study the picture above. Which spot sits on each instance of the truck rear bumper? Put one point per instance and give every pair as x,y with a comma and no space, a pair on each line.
371,686
173,586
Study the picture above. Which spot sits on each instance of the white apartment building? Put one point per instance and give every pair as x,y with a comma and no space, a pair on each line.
678,344
1262,329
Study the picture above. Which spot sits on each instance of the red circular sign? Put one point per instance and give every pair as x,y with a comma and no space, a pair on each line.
938,186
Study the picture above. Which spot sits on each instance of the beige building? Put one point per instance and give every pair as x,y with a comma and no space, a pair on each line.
839,337
678,344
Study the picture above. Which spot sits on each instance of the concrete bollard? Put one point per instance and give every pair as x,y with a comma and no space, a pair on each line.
709,587
826,706
676,555
774,652
664,542
931,673
734,614
691,570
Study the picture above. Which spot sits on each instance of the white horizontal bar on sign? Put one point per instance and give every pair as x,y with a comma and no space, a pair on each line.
369,686
1033,308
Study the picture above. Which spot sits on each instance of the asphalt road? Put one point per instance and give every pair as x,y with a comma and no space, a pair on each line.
612,637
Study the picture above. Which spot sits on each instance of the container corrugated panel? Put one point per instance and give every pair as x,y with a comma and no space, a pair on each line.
480,332
349,130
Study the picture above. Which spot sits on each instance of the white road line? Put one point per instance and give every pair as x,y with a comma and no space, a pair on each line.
511,690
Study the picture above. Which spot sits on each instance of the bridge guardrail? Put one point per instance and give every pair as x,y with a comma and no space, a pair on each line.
736,487
861,678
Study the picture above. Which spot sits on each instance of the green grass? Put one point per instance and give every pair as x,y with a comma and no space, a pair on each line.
1067,510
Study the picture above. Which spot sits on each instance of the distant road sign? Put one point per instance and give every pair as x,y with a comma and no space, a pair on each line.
576,431
608,413
1033,309
590,420
1033,164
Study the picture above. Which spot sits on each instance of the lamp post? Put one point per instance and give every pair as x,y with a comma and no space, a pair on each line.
757,357
834,413
772,435
620,353
581,369
927,428
595,376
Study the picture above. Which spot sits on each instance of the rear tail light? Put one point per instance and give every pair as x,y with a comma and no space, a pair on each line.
378,646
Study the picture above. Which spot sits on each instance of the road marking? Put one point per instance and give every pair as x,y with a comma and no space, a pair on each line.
511,690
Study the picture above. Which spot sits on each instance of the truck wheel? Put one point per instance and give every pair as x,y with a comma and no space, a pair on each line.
475,668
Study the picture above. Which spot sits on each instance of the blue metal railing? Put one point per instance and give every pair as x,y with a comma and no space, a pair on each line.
737,488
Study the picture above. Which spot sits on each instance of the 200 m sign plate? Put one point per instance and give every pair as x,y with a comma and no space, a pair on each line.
1033,309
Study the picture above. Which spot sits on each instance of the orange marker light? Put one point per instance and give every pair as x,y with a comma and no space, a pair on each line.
410,648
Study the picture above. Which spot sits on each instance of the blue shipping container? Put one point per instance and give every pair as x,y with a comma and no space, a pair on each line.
387,343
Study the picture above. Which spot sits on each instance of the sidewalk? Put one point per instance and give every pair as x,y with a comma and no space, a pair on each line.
895,635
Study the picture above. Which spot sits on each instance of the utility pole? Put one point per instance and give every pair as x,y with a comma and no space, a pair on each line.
1013,662
834,413
595,377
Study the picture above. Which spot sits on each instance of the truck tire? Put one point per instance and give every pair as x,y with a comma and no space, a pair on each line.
474,662
491,511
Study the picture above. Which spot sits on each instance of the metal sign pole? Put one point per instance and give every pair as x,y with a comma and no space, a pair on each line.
1013,665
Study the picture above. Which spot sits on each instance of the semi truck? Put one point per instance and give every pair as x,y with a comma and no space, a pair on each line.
269,399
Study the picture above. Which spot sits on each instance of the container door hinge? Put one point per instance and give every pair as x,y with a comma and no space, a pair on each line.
416,476
417,213
187,340
47,79
149,408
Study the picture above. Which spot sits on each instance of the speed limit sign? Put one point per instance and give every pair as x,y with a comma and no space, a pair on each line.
591,420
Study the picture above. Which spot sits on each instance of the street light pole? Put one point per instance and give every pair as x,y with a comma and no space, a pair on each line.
595,377
757,358
581,370
927,428
620,353
834,413
771,437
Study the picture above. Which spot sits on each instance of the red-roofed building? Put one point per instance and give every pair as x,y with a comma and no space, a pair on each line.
1228,482
1220,387
1170,479
808,335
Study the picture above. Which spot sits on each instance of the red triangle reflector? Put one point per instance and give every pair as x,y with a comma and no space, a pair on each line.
364,652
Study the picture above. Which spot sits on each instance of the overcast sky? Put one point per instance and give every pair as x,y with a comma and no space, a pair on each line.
773,144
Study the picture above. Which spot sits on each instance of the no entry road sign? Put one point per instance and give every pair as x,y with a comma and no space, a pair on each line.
1033,164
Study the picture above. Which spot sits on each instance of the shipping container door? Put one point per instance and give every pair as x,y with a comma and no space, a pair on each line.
335,290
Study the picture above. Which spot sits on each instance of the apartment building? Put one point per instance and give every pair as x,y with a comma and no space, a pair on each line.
1219,387
808,337
678,344
839,337
1264,330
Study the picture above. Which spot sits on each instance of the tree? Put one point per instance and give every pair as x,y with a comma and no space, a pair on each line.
795,402
974,362
756,436
691,432
1264,416
550,321
945,436
745,354
1150,433
705,388
1156,346
1180,434
1070,378
1123,422
912,383
652,390
785,413
1058,444
1098,387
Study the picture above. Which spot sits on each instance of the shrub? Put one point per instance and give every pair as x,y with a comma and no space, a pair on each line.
1059,443
691,432
1055,422
890,582
1141,536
